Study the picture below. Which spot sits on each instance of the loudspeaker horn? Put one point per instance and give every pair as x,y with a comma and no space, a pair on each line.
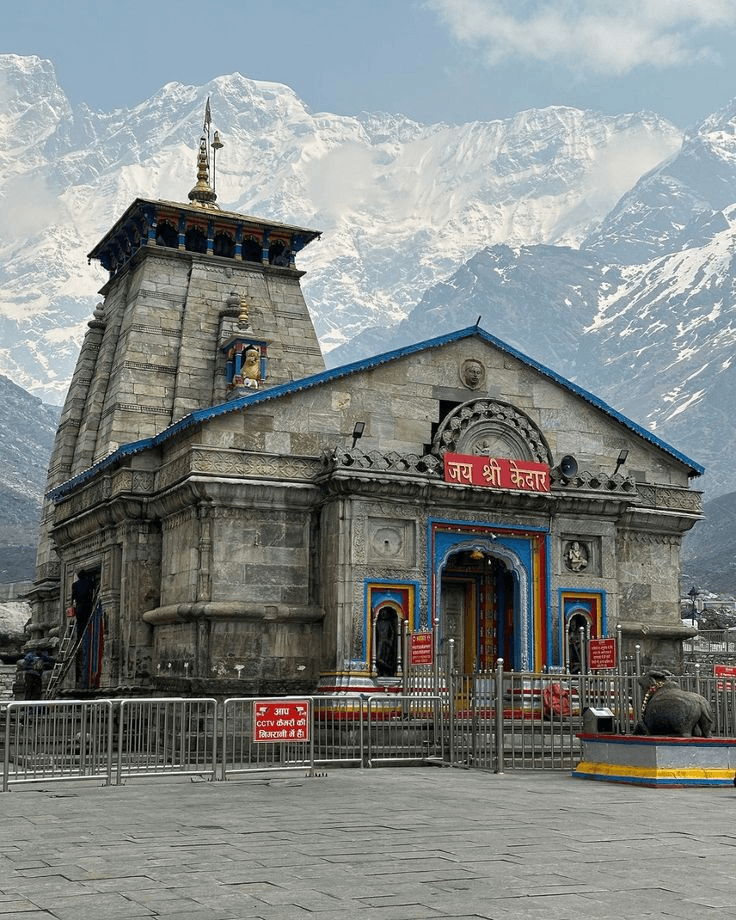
568,466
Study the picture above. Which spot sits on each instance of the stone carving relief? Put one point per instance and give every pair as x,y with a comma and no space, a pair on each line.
390,540
670,497
472,374
649,539
493,428
577,556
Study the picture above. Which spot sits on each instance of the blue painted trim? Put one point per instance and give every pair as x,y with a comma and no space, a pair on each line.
548,600
515,543
600,593
651,783
337,373
392,585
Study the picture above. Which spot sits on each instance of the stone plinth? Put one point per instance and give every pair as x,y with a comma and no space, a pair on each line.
657,760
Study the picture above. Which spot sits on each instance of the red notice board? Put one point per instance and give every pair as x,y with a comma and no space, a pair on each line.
281,720
602,654
422,648
724,670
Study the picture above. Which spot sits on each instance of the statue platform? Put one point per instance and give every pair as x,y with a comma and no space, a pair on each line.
653,760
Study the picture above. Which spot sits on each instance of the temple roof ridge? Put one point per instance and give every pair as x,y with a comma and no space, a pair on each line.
202,415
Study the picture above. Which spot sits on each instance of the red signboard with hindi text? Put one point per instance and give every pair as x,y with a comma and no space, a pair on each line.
281,720
421,648
496,473
602,654
725,670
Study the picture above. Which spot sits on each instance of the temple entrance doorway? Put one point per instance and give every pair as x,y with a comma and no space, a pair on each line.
479,603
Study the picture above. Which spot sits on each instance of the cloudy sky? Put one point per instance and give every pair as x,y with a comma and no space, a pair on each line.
433,60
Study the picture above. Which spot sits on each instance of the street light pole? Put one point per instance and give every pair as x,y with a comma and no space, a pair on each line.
692,594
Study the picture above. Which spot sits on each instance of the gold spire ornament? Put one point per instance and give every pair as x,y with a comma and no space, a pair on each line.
203,194
243,315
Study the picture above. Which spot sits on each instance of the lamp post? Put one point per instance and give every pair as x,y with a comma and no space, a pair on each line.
692,594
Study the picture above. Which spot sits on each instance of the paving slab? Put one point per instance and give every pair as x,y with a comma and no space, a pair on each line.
381,844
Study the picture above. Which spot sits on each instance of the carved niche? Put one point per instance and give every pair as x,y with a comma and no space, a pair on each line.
390,540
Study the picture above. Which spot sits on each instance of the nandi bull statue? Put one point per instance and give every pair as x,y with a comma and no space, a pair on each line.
667,709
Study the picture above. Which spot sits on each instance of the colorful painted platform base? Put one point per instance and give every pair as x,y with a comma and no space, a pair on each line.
657,760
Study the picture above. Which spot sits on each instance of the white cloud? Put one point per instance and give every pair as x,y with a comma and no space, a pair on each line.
598,36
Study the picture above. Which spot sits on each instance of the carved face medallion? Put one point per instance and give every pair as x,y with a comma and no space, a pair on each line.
472,374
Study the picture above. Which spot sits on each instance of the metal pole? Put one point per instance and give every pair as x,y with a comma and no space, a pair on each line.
451,688
6,752
582,639
620,684
310,703
499,715
121,735
214,738
223,773
636,684
405,653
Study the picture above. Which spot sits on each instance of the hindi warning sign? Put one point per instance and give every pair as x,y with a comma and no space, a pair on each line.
421,648
281,720
725,670
602,654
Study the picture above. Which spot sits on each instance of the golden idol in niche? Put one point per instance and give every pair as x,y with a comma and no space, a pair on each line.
252,368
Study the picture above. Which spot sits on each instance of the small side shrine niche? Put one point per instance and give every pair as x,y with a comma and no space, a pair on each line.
246,355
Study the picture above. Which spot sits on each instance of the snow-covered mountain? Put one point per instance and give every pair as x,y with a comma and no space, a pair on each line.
643,312
602,246
401,205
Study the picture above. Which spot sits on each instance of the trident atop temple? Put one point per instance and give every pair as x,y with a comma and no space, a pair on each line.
203,194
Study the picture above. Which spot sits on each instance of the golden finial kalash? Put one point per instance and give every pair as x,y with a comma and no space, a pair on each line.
203,194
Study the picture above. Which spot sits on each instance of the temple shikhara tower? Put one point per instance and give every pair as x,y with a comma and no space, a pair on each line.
227,517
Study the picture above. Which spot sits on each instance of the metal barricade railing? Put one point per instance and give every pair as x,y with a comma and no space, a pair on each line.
57,740
242,753
473,721
542,718
526,720
339,730
404,729
720,691
173,736
492,720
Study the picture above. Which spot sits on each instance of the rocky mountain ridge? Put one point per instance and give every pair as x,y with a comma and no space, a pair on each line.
27,430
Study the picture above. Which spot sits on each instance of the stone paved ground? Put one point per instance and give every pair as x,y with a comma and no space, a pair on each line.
389,844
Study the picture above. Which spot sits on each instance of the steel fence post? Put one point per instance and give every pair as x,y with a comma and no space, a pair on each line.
451,687
636,687
499,716
6,752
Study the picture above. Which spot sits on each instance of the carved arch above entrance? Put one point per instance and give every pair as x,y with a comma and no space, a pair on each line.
494,428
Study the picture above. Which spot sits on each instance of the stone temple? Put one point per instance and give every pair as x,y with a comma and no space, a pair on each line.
229,517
